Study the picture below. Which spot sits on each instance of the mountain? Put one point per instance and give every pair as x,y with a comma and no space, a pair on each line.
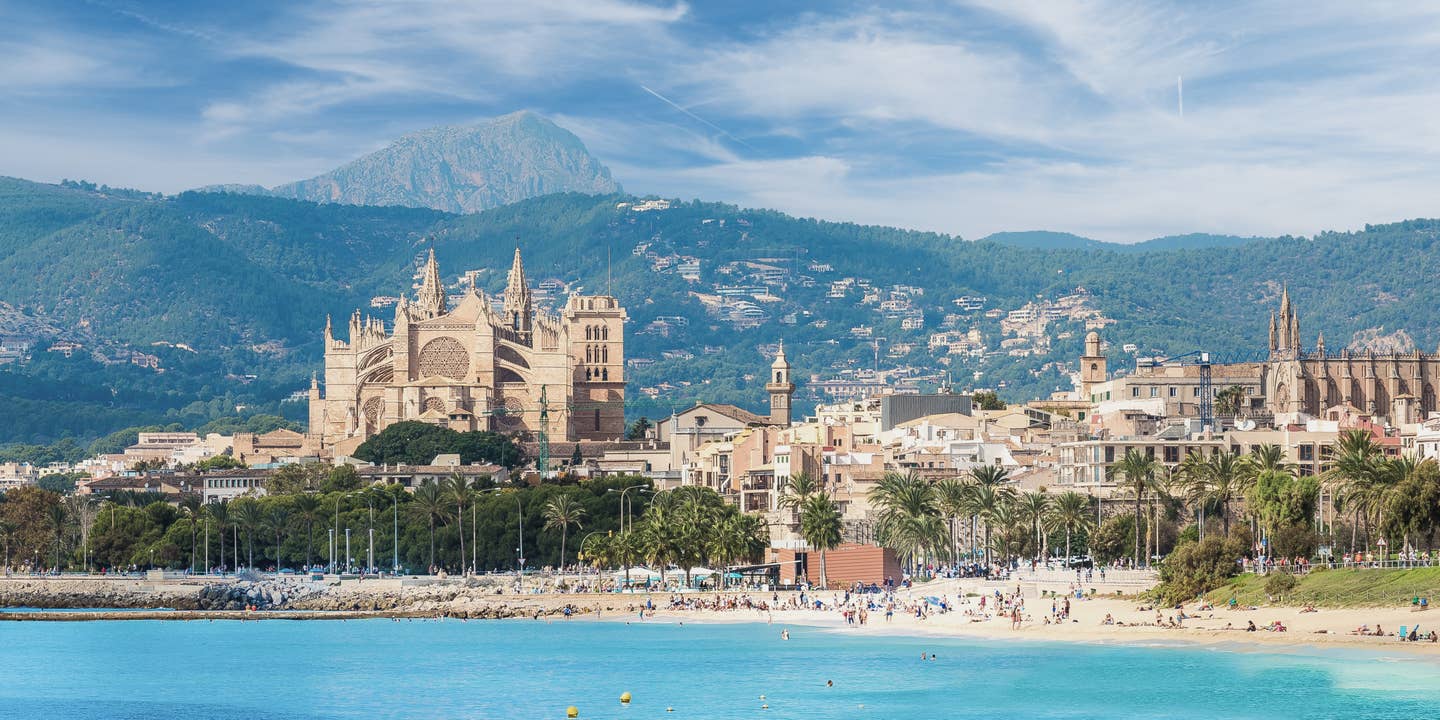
461,169
202,306
1047,240
1192,241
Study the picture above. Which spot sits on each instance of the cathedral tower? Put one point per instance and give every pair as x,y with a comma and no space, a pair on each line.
431,301
518,309
780,389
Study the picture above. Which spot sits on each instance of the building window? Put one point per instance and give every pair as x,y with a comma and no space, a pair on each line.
1172,454
1307,453
1135,392
597,419
1109,453
1173,390
1154,392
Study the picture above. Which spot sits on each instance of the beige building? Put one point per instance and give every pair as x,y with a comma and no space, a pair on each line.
1397,387
482,365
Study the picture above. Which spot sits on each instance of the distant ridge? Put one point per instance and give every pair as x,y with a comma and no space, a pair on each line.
1049,240
458,169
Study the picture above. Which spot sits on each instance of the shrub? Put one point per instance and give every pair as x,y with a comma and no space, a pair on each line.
1196,568
1279,584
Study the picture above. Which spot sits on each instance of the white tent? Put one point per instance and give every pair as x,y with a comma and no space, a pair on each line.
637,574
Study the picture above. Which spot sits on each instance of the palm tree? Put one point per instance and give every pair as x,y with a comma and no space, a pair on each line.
276,521
307,506
820,526
1356,474
563,512
1033,508
190,505
908,517
987,502
799,487
953,497
220,513
459,492
1214,481
1071,513
249,517
1138,470
430,505
990,474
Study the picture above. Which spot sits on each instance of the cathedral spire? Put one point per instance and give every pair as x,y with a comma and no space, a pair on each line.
431,300
1272,332
518,307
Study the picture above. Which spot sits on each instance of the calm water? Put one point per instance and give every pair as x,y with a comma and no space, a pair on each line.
519,669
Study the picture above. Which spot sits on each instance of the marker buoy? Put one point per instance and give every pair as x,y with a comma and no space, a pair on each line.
625,698
572,712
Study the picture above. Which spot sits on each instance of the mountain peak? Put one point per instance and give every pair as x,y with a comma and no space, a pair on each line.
464,168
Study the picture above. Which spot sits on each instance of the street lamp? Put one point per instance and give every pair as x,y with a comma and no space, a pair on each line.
369,503
331,544
623,515
520,551
395,541
348,560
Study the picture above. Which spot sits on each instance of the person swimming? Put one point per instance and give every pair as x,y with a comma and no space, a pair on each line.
785,634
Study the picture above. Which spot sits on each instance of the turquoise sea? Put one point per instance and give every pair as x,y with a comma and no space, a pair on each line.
535,669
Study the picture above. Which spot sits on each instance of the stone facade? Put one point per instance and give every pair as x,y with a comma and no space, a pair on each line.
482,365
1400,388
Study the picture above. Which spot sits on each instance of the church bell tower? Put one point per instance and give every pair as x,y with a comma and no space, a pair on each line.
780,389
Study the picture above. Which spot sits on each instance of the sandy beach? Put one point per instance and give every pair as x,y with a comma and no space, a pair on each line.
1134,620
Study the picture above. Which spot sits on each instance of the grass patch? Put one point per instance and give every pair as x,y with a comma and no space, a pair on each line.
1339,588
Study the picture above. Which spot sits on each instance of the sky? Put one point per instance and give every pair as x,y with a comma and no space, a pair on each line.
967,117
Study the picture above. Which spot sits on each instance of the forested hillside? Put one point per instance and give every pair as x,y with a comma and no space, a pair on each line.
228,294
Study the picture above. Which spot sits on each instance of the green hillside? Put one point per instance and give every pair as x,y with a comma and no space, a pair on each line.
245,282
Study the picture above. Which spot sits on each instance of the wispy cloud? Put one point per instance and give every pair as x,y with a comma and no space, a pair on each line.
970,117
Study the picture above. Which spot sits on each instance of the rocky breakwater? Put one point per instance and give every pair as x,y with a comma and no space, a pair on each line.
97,593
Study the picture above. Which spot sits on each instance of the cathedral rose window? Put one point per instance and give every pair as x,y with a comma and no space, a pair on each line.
444,357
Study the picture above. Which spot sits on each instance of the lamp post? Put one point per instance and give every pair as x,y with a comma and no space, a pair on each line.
331,545
207,546
335,533
348,560
370,554
519,551
625,538
395,541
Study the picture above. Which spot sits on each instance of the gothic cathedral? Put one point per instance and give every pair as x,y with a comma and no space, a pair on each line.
482,365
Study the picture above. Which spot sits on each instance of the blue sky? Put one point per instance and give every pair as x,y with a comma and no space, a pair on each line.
967,117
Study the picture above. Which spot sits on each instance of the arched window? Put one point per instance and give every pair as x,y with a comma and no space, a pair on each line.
604,332
604,373
587,332
778,376
588,357
605,354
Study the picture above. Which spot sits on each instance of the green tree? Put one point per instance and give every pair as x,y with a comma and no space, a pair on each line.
430,505
307,506
820,526
248,517
1071,513
1138,471
987,400
562,513
907,513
